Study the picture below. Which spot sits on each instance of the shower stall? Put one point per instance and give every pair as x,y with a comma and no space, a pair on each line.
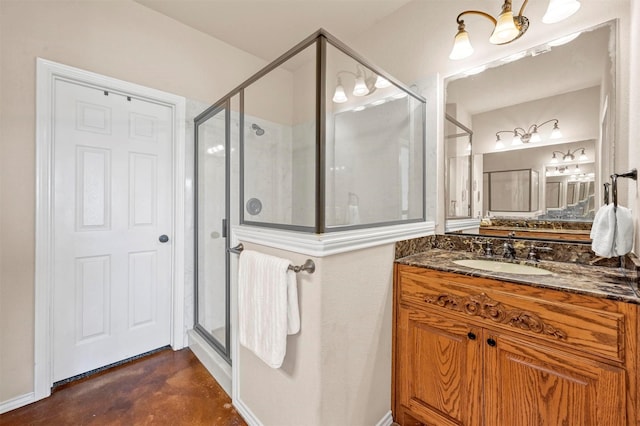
319,141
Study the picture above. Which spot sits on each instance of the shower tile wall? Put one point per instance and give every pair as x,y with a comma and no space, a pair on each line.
269,156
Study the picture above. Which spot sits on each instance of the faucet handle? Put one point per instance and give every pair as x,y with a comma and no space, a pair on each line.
533,252
488,248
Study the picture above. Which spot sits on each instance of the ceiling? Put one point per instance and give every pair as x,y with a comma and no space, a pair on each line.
268,28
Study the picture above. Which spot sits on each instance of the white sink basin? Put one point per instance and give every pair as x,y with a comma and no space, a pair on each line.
502,267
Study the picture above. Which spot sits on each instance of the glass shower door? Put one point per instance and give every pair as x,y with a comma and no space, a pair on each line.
211,230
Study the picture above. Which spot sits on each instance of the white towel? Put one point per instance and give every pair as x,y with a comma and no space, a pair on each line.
603,231
624,231
612,231
353,215
267,305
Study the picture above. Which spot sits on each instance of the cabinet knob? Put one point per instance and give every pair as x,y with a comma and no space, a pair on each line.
471,336
491,342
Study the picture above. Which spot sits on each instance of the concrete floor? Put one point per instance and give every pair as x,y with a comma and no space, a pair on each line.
165,388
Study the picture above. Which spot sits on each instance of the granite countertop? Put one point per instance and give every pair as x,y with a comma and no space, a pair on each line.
548,230
599,281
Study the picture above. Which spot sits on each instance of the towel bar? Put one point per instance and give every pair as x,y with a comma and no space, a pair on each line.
308,266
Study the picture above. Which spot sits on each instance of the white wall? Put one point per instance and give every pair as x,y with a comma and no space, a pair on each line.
121,39
634,116
577,113
337,370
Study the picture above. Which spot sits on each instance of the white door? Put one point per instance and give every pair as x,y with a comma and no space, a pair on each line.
112,202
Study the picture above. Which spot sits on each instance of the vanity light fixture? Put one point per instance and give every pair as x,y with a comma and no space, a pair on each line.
564,40
508,27
364,84
521,135
569,156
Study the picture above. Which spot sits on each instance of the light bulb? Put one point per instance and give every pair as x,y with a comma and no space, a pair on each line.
516,139
554,159
461,45
382,82
535,137
360,87
564,40
499,144
339,96
559,10
505,30
577,169
583,156
556,133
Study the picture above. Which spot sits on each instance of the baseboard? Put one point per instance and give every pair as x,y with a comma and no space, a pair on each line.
246,413
252,420
17,402
218,367
387,420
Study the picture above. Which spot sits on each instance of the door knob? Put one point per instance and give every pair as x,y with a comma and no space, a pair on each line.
163,238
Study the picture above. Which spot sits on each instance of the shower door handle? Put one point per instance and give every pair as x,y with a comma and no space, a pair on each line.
224,228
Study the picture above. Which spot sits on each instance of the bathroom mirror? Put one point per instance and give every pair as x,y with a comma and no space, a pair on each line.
565,84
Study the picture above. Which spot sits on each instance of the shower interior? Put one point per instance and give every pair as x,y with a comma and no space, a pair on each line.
279,153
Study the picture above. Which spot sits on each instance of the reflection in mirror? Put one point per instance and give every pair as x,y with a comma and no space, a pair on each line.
457,149
516,107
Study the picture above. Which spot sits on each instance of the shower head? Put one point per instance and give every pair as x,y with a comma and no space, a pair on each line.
259,130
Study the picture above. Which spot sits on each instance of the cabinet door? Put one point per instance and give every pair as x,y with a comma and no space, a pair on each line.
438,374
529,385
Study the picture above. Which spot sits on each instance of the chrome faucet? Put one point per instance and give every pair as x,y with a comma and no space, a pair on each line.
508,251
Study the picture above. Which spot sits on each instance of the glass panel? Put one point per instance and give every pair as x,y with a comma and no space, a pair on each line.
374,147
535,191
457,149
510,191
279,145
572,187
553,195
211,291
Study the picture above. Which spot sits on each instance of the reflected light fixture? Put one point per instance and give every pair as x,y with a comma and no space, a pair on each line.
559,10
521,135
569,156
508,27
365,83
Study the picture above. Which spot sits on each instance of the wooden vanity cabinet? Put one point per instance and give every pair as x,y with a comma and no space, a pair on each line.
475,351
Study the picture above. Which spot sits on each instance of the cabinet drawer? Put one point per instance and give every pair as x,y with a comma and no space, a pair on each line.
542,314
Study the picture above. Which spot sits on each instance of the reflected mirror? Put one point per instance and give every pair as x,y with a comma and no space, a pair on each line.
543,125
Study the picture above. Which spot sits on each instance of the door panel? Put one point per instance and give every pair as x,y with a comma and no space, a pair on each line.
112,200
442,382
212,258
529,385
